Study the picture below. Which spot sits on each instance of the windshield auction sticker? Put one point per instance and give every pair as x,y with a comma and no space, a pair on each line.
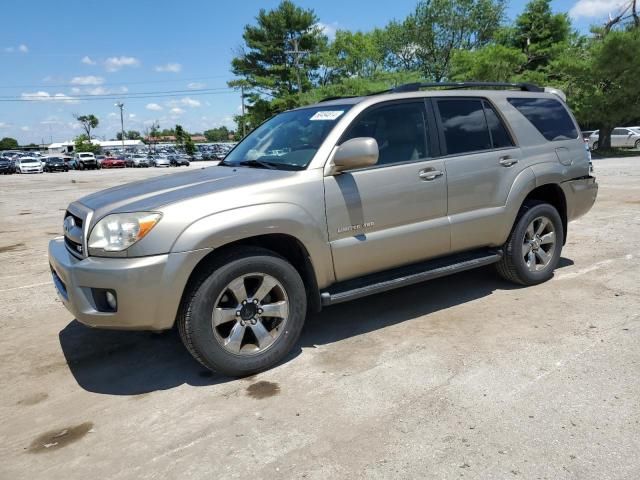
327,115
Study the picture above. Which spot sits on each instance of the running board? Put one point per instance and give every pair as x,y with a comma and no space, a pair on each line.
409,275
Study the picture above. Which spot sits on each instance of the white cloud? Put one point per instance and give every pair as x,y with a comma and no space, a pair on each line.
88,80
87,60
22,48
595,8
25,128
46,97
4,125
177,111
112,114
132,115
113,64
97,91
169,67
184,102
190,102
196,85
329,29
153,107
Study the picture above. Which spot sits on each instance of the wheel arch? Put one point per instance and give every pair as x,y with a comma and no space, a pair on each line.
552,194
284,245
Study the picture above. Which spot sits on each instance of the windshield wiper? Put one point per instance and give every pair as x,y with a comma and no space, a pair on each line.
259,164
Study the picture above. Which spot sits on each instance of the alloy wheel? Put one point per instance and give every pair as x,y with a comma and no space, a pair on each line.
539,244
250,314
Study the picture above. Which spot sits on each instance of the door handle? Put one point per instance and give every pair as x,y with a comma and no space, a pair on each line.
507,161
429,175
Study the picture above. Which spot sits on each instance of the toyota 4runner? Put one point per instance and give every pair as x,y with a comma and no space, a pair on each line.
328,203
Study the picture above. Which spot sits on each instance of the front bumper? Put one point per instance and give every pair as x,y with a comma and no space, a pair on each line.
580,194
148,289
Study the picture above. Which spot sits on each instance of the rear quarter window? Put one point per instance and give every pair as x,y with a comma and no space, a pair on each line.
549,117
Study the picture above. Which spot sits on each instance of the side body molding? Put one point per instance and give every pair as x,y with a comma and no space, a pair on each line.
228,226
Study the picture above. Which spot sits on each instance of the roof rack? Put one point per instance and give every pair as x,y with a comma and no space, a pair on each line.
414,87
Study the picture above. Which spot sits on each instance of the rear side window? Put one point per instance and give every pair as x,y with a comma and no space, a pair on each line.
464,125
500,137
549,116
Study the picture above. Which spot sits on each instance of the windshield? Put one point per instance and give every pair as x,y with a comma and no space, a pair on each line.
287,141
29,160
54,160
85,155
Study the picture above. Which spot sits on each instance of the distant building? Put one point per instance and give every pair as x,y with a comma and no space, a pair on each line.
67,147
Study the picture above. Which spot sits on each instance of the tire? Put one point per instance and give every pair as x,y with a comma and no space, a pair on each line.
595,146
513,266
637,145
211,289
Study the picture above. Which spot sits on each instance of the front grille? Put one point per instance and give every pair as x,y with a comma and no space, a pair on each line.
73,236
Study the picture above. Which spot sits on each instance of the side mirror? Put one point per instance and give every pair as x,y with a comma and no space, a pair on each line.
356,153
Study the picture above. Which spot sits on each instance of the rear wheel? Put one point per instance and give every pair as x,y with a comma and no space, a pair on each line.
595,146
637,145
533,249
244,314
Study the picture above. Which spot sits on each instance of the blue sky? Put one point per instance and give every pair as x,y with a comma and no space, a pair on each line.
60,49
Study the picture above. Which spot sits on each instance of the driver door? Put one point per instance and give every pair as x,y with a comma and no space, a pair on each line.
393,213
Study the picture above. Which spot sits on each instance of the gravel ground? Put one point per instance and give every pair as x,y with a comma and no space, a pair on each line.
466,376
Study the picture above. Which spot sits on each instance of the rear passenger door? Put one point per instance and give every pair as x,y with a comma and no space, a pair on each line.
620,137
482,162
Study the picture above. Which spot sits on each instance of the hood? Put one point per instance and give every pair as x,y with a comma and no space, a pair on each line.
154,193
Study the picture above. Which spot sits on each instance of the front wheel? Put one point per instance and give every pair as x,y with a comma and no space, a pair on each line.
595,146
532,251
244,314
637,145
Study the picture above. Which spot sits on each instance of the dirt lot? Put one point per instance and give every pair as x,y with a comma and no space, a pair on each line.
464,376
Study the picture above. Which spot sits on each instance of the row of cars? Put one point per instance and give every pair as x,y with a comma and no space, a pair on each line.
85,161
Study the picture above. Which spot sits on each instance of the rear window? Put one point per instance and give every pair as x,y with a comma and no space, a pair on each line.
549,117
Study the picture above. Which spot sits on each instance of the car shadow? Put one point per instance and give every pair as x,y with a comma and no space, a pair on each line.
133,363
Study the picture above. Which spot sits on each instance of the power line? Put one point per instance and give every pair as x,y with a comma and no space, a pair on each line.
69,85
118,96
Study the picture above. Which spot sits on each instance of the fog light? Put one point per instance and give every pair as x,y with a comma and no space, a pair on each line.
111,301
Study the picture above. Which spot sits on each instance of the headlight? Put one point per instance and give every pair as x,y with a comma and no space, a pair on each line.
117,232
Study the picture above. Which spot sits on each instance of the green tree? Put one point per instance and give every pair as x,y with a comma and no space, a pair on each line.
189,146
87,122
180,135
601,81
356,54
442,27
8,143
266,66
493,63
219,134
83,144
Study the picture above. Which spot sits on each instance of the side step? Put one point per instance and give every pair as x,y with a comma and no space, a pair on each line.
409,275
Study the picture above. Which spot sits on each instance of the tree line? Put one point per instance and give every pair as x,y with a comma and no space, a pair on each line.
286,60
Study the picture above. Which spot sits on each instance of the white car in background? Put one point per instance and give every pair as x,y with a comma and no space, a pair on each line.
28,165
620,138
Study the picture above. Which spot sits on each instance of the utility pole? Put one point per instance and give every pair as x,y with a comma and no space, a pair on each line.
297,54
120,105
243,120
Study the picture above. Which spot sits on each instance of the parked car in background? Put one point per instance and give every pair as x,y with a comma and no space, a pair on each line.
620,138
85,161
6,166
55,164
586,134
177,161
137,160
160,161
100,159
28,165
112,162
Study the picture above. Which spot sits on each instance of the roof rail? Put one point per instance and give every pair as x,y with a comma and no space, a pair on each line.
414,87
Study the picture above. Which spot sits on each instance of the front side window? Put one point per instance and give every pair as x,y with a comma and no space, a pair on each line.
500,137
620,131
464,125
287,141
398,128
549,117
